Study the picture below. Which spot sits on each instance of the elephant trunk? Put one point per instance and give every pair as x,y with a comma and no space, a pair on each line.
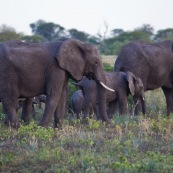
140,105
143,105
101,97
100,78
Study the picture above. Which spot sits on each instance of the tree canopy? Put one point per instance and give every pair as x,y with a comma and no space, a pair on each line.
43,31
9,33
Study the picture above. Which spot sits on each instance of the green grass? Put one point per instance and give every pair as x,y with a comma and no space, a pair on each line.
126,145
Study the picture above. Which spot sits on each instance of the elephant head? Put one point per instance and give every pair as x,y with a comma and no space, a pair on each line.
80,59
136,88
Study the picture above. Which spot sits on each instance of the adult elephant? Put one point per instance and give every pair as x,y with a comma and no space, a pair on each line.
123,84
153,63
28,70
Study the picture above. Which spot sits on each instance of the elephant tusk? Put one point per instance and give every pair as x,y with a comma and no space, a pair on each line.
143,98
103,85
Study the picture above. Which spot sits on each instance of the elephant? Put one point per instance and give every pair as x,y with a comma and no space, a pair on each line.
152,63
38,100
28,110
31,69
28,106
77,104
122,83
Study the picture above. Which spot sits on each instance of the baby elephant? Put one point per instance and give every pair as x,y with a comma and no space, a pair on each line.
77,101
123,84
77,104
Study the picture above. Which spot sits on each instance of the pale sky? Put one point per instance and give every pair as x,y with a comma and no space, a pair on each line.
87,15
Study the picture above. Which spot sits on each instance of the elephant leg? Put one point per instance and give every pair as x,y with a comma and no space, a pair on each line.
96,111
169,99
52,101
143,106
9,107
61,109
27,110
78,114
111,109
122,105
91,111
87,107
33,111
53,98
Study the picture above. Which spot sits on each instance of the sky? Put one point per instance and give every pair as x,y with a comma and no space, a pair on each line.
89,16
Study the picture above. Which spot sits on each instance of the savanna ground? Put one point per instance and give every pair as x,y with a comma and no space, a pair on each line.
129,144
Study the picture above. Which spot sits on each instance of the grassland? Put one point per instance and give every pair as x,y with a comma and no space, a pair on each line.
129,144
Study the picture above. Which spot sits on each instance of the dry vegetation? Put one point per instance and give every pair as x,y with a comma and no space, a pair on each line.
110,59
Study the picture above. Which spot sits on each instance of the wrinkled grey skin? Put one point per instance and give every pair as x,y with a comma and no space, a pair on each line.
28,70
152,63
122,83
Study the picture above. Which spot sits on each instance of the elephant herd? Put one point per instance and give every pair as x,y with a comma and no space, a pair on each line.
28,70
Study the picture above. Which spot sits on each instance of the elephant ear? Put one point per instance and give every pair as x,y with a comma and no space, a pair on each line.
131,80
70,57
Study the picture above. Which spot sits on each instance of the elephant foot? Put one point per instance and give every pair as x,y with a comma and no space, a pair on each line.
7,123
107,121
85,120
58,126
14,125
44,123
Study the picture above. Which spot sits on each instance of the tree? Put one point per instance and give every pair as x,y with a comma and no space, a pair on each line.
117,32
113,45
33,38
74,33
146,28
49,30
165,34
9,33
94,40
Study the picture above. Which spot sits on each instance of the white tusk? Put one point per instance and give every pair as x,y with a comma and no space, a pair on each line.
106,87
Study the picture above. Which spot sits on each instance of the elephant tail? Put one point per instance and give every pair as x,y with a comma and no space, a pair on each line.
172,47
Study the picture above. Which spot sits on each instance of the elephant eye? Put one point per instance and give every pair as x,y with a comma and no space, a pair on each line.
96,63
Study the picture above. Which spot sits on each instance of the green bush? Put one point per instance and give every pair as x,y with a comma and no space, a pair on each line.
108,67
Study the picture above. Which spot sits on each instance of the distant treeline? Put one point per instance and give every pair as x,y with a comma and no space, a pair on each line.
43,31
